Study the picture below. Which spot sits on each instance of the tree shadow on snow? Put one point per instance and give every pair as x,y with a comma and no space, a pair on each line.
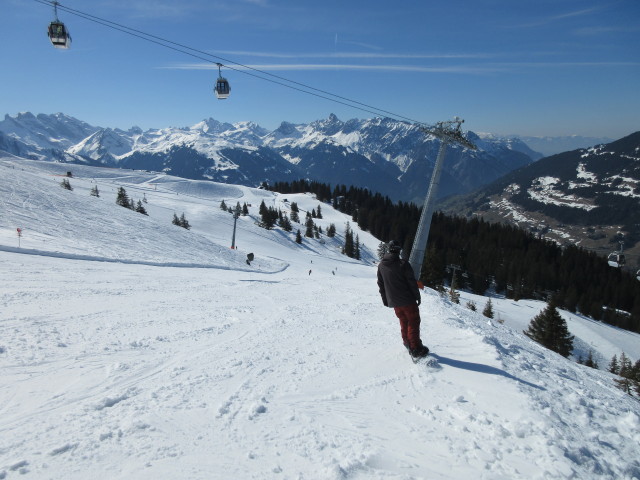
480,368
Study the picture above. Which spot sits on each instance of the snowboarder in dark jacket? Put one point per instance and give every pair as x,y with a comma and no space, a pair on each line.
399,290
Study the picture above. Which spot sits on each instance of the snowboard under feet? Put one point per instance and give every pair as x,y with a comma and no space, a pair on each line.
428,361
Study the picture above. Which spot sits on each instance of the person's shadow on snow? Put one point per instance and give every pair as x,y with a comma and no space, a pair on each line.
480,368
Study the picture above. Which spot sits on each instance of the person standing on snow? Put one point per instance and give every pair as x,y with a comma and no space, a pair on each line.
399,290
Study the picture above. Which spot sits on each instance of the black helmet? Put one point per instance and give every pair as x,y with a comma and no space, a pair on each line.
393,247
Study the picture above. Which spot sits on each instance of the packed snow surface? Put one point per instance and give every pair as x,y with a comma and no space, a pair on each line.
131,348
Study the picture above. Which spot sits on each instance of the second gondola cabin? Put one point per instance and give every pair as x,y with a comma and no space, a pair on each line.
59,35
222,88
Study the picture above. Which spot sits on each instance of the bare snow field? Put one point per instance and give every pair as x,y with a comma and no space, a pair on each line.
131,348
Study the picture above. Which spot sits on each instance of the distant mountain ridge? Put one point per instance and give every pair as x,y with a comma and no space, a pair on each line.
387,156
589,196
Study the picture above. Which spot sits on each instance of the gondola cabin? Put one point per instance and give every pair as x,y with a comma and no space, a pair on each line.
222,88
59,35
615,259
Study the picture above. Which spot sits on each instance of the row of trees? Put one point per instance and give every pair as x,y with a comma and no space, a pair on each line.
491,256
270,217
123,200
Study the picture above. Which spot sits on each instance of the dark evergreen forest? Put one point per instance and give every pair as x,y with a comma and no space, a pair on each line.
484,256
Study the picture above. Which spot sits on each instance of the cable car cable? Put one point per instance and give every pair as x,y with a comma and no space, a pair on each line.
163,42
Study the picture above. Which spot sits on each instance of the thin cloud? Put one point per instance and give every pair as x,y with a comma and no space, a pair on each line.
502,67
462,69
603,30
369,55
557,18
577,13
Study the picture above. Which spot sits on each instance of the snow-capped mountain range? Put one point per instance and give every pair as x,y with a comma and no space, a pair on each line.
387,156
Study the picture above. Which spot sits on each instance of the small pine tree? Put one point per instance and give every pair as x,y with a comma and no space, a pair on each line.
122,198
471,305
285,224
319,212
65,184
309,227
140,208
94,191
331,231
176,220
245,210
488,309
356,252
184,223
348,248
298,237
613,365
590,362
550,330
223,206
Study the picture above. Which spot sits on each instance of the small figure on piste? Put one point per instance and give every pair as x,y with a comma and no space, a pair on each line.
399,290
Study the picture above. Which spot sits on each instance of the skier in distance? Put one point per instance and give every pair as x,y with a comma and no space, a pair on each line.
399,290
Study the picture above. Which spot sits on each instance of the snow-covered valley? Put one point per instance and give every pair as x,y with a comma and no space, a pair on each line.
131,348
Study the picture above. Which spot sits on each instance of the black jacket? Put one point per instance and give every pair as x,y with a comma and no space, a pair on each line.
396,281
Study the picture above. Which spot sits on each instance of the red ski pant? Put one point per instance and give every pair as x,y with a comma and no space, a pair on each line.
409,317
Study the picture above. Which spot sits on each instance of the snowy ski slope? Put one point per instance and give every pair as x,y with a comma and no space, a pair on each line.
134,349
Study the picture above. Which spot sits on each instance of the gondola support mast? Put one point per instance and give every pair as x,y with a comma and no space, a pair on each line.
448,132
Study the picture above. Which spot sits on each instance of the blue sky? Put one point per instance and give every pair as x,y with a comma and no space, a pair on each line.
525,67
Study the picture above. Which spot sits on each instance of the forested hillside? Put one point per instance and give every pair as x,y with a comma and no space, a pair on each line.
486,256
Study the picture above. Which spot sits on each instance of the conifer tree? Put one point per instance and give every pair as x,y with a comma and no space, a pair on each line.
356,253
471,305
613,365
627,381
184,223
331,230
176,220
65,184
298,237
590,362
309,227
122,198
348,248
319,212
223,206
488,309
285,224
140,208
245,209
94,191
550,330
